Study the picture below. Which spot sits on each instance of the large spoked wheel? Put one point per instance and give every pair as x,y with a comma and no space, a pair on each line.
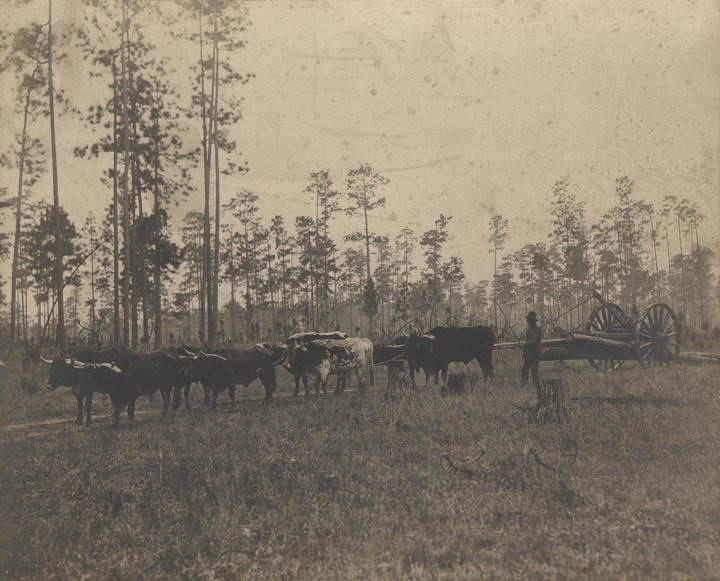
603,320
657,335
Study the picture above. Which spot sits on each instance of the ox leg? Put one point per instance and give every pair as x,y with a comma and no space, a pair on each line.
79,419
269,387
117,407
232,396
186,395
392,377
88,407
131,410
297,385
486,365
214,397
177,396
487,369
340,386
362,381
206,397
166,400
443,382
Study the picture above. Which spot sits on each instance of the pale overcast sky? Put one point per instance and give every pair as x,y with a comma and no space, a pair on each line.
469,108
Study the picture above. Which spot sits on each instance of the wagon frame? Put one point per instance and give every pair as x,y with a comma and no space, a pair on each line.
610,337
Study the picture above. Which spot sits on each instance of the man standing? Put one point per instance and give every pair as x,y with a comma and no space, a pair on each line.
531,351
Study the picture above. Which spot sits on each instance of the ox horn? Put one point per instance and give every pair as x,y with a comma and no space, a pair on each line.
194,355
77,364
46,361
111,367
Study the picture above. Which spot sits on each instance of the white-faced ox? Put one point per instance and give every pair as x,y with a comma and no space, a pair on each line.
304,338
88,378
321,358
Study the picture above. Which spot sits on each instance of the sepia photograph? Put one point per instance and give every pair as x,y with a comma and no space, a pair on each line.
359,289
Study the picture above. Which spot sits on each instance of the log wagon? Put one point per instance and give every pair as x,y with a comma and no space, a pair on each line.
611,337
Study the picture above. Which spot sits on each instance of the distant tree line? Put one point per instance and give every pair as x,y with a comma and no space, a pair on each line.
130,276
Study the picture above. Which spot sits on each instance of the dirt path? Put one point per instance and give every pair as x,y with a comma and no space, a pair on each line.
55,425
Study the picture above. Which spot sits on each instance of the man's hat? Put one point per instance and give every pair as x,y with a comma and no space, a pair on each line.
531,316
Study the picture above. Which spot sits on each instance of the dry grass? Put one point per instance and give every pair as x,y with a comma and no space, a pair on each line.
357,487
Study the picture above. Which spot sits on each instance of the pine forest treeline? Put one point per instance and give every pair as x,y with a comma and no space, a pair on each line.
226,271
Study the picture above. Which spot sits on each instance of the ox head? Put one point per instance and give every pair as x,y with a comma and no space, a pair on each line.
62,372
65,371
277,351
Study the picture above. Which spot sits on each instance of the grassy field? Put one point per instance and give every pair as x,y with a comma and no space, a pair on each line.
360,487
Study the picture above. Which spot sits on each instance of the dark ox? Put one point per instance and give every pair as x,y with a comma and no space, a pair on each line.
157,370
420,355
393,356
189,372
444,345
88,378
225,368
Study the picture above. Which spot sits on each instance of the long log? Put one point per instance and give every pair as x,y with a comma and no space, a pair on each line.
695,358
519,344
602,342
613,335
579,346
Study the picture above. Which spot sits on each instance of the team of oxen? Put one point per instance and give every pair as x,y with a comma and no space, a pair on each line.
310,357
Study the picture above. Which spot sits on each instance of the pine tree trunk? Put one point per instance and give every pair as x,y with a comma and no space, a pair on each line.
116,216
139,286
18,215
157,274
92,291
213,316
205,277
60,333
126,189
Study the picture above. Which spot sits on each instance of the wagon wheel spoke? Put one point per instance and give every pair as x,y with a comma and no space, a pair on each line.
645,327
644,333
602,315
654,316
646,346
649,353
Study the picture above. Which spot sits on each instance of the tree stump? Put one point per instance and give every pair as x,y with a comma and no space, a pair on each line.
551,405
